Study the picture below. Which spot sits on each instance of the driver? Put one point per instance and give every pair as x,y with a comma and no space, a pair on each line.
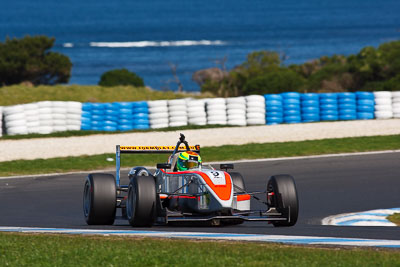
188,160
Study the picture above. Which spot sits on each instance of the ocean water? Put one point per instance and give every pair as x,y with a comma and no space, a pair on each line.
147,36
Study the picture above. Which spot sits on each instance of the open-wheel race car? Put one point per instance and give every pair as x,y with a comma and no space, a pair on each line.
185,190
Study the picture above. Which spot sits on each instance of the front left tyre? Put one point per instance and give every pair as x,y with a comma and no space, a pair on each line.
99,199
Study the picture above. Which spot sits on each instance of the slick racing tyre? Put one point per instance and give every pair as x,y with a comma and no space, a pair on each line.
238,182
141,202
282,195
99,199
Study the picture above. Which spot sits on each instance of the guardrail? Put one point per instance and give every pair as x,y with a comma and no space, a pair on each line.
291,107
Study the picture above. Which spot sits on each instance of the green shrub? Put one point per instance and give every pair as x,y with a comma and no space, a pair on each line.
28,60
120,77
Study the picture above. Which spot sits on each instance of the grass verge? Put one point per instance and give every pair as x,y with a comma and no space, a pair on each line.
222,153
21,94
394,218
59,250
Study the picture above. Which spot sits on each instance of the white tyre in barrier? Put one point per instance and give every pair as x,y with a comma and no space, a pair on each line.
211,108
15,123
255,98
158,115
60,128
77,111
45,129
32,112
177,123
256,110
236,106
46,122
44,104
73,127
31,106
59,110
236,117
31,118
14,116
216,112
236,100
194,109
216,101
45,110
46,116
157,103
73,116
74,105
216,118
59,104
255,121
33,130
256,104
158,109
57,122
396,115
396,105
74,123
17,130
13,109
59,116
221,122
197,121
237,122
158,126
396,110
178,118
396,94
236,111
382,94
197,113
255,115
383,107
383,101
159,121
177,108
396,99
31,124
383,114
177,113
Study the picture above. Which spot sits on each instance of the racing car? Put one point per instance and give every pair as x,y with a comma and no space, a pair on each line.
184,190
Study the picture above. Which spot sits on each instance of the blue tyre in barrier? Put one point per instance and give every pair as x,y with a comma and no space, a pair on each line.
351,101
309,97
86,106
327,95
292,119
123,105
86,127
293,95
108,106
347,117
125,127
333,112
110,123
86,114
125,111
329,107
365,102
291,106
98,106
124,121
126,116
347,106
346,95
111,112
274,114
273,97
365,116
97,117
274,120
97,128
328,101
141,121
86,120
347,112
141,110
109,128
290,101
97,111
310,103
97,123
273,103
310,117
137,116
273,109
140,126
365,95
329,117
310,110
366,109
139,104
110,118
291,112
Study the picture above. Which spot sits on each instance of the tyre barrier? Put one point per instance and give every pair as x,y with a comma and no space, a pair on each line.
255,110
383,105
216,111
196,112
1,121
236,111
291,107
177,111
309,103
51,116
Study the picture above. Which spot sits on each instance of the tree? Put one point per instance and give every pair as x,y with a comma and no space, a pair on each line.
28,60
120,77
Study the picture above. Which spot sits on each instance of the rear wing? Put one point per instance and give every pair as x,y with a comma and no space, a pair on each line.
149,150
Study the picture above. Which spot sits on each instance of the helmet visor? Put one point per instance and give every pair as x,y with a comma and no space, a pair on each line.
192,164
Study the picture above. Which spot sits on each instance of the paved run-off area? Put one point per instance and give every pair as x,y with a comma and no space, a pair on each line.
99,144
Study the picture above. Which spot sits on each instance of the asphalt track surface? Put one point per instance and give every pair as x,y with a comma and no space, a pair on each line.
326,186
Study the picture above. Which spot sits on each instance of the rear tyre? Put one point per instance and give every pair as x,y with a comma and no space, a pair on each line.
238,182
282,195
99,199
141,202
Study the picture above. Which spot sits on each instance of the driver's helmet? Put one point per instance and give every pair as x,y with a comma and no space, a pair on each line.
188,160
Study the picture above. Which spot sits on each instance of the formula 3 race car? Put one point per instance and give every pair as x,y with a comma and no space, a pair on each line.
197,194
